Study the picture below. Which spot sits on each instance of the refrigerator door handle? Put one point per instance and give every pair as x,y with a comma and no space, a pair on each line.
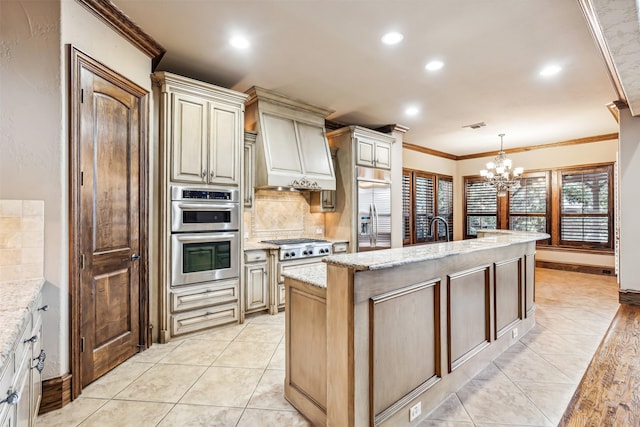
375,226
372,227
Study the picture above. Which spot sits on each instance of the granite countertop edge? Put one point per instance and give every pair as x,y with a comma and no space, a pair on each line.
377,260
18,298
314,275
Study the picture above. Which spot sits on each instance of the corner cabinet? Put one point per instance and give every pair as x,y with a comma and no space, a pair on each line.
202,128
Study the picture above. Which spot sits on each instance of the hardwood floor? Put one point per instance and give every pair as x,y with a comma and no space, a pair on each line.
608,394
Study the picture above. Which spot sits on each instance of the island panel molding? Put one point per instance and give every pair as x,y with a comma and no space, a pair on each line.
507,288
529,284
468,314
406,318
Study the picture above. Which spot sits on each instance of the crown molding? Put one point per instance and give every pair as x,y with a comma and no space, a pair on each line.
587,140
118,21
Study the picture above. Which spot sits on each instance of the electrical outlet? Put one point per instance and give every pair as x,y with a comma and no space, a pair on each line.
514,333
415,411
320,230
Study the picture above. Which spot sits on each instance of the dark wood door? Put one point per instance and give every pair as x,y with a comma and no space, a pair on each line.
109,224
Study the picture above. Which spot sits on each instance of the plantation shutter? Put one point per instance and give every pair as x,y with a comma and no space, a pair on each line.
445,205
585,204
528,205
406,208
481,206
423,206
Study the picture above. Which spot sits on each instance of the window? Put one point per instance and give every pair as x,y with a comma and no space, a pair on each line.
481,206
528,204
586,204
573,205
425,195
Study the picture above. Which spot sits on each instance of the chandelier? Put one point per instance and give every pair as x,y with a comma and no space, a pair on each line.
501,174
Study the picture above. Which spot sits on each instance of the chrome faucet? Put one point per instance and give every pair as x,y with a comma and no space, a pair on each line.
446,226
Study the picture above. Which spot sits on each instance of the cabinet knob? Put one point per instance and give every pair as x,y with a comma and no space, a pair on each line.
204,173
33,339
212,174
11,399
40,361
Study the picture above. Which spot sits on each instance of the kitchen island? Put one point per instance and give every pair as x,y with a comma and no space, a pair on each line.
371,336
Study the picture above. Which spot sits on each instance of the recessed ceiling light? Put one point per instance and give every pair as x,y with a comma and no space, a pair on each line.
239,42
434,65
550,70
392,37
411,111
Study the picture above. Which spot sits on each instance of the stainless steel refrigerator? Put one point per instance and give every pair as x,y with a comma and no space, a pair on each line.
374,209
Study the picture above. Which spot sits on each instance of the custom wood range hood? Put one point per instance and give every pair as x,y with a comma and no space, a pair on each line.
292,151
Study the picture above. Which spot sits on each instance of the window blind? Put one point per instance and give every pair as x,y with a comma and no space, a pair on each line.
445,205
528,205
585,206
423,206
481,206
406,207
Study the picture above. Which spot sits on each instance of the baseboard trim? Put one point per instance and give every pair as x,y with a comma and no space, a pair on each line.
627,296
578,268
56,393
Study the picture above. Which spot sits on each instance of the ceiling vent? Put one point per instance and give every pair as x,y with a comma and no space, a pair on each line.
475,125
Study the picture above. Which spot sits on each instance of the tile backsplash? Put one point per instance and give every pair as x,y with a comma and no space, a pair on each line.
282,215
21,239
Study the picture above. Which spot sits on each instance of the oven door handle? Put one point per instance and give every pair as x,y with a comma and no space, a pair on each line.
204,237
190,206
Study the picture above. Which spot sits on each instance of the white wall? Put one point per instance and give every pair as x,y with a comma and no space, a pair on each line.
34,135
555,157
629,177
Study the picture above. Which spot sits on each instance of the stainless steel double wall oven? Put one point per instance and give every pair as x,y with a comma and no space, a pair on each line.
204,234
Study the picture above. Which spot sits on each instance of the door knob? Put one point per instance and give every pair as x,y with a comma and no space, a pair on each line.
135,257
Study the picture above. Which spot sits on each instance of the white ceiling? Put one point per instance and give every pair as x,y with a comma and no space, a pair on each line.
328,53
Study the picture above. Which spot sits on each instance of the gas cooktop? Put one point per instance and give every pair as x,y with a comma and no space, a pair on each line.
301,248
294,241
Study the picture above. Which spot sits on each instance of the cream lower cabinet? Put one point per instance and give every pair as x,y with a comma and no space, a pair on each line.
21,375
256,280
203,306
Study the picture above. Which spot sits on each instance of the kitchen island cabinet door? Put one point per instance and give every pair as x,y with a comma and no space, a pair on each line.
189,143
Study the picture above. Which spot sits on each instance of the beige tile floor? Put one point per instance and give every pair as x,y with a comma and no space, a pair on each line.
233,376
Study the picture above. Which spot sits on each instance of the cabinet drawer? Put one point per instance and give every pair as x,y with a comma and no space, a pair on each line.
204,296
340,247
192,321
255,255
23,346
6,378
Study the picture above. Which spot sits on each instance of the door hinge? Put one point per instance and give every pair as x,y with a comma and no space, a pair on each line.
81,179
81,261
81,96
82,345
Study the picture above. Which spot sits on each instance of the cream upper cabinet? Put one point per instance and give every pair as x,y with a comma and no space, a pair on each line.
189,139
201,130
372,153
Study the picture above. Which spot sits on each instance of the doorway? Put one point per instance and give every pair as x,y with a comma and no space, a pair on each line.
108,220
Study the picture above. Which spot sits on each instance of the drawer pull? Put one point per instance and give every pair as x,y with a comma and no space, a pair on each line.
11,399
40,364
33,339
44,308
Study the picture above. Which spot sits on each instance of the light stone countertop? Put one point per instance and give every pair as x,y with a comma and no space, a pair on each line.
376,260
16,300
253,244
314,274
